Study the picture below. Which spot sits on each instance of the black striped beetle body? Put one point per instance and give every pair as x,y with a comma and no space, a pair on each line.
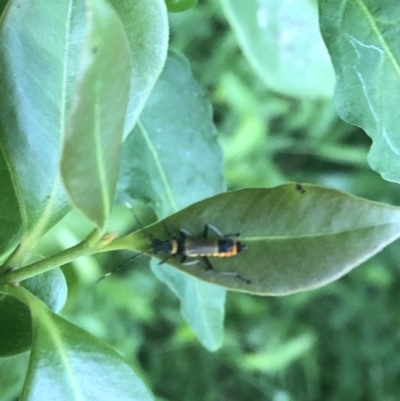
202,247
189,246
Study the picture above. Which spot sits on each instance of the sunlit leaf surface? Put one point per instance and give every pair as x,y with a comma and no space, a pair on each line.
68,363
363,40
282,42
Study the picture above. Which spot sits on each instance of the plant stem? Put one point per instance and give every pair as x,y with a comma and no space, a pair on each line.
81,249
94,243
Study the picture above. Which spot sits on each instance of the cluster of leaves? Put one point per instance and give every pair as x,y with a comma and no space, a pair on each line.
94,109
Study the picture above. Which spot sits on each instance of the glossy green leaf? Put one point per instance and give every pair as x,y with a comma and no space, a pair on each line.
10,218
179,5
202,304
12,375
146,26
92,143
16,326
37,66
362,38
298,237
68,363
3,4
170,160
50,287
282,42
15,317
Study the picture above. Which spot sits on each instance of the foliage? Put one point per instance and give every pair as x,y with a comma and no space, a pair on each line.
108,142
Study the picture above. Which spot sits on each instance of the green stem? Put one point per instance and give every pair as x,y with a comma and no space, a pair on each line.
129,242
82,249
92,244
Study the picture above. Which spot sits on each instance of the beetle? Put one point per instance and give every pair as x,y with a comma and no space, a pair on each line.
189,246
198,248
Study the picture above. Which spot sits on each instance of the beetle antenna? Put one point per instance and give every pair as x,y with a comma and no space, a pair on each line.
142,227
123,265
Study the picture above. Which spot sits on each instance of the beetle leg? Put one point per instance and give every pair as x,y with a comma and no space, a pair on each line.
208,265
184,233
237,275
168,231
215,229
191,262
232,235
161,262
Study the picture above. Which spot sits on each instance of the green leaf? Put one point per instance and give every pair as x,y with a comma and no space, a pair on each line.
68,363
15,317
282,42
12,375
146,26
92,143
202,304
3,4
37,66
15,323
10,218
298,237
179,5
50,287
170,160
362,38
279,356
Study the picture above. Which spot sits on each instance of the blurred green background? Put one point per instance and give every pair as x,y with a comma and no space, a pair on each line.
340,342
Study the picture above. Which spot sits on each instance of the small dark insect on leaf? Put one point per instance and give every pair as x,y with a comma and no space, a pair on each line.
300,188
199,249
95,50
